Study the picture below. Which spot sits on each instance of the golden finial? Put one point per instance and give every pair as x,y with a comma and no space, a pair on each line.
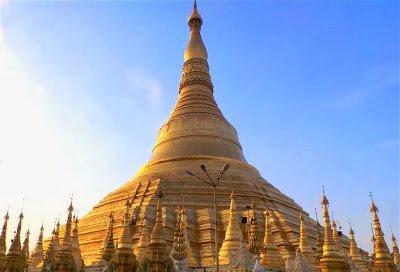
351,232
301,217
195,48
324,200
373,207
71,207
316,219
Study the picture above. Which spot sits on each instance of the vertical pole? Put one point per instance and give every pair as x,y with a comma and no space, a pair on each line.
216,231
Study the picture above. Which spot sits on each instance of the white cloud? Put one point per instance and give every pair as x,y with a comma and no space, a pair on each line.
389,144
141,81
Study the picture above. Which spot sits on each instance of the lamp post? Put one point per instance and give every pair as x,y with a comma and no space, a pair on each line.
212,183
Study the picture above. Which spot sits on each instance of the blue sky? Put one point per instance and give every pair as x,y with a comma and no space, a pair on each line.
312,88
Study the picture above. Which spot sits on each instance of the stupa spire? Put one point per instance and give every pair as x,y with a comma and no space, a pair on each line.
195,48
233,235
382,261
49,262
16,243
107,250
64,258
124,259
57,237
143,244
270,256
158,244
304,245
125,240
320,239
396,255
196,126
335,234
76,251
25,246
37,256
15,260
355,254
3,237
332,259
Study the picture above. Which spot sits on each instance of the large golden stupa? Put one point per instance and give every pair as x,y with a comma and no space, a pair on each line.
165,218
195,133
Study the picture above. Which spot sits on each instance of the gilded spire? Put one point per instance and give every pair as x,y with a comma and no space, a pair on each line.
15,260
320,239
254,245
57,237
233,235
123,258
37,255
143,244
3,237
331,257
305,247
335,234
158,244
382,260
49,262
396,255
125,240
64,257
196,126
66,242
16,243
355,254
75,243
25,247
270,256
195,48
107,250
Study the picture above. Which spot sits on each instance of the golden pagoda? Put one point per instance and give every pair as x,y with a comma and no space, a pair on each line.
76,252
3,244
211,227
382,261
157,254
195,133
15,259
25,247
270,256
49,261
320,240
335,235
64,258
396,254
142,246
305,247
36,257
107,249
355,254
123,259
233,236
332,260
